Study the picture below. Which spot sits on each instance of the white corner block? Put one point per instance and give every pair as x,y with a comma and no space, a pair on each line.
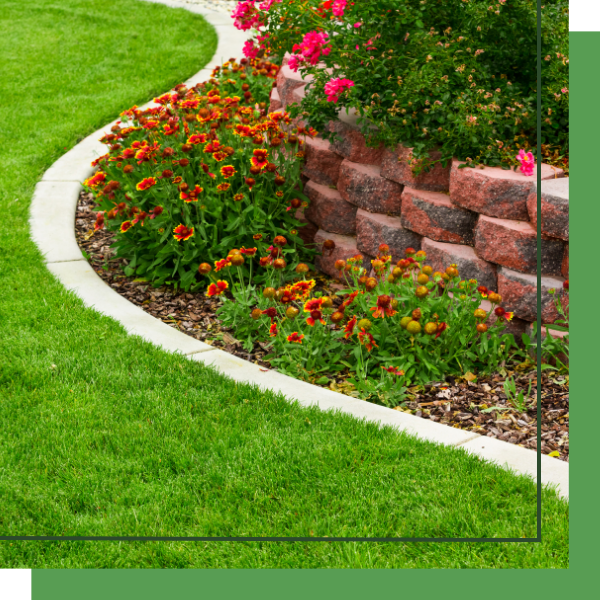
52,220
522,460
80,278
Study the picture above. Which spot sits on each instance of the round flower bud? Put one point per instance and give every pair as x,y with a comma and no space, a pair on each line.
499,311
326,302
337,316
291,312
566,285
452,272
494,298
410,251
480,313
279,263
413,327
422,279
391,278
256,314
237,260
421,291
404,321
431,328
340,265
482,328
328,244
384,248
371,284
416,314
269,292
397,272
302,268
280,240
394,303
362,281
364,324
445,276
204,269
280,293
427,270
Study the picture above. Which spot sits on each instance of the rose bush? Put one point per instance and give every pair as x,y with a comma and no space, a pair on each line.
203,169
458,76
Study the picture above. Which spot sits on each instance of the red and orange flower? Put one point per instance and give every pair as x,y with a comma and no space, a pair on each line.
302,288
223,187
125,226
248,251
295,337
259,158
383,307
95,180
313,306
220,155
367,340
273,330
182,233
191,195
222,264
197,138
441,327
146,184
394,371
216,289
349,329
228,171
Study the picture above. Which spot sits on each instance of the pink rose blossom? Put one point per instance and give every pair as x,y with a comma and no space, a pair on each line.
266,5
338,7
564,91
335,87
294,62
527,162
310,49
357,25
246,16
250,50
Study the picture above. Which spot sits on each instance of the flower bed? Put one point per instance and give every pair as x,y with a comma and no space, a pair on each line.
205,168
460,402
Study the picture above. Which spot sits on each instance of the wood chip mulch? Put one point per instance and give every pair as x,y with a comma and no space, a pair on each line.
456,402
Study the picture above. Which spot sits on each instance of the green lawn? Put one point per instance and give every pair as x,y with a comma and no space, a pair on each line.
103,434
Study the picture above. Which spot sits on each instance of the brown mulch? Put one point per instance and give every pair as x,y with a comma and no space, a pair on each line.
458,403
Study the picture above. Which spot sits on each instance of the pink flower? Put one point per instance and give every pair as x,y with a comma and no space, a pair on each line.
294,62
335,87
564,91
246,16
357,25
313,46
527,162
250,50
266,5
338,7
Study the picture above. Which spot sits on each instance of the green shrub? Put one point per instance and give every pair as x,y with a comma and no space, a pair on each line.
454,75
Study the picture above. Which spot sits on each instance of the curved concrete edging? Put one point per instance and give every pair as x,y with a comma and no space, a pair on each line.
52,217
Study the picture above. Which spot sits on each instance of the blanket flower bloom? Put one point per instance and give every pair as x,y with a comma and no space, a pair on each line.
393,370
527,162
216,289
125,225
295,337
259,158
146,184
383,307
95,180
191,195
182,233
349,329
334,88
228,171
273,329
367,340
222,264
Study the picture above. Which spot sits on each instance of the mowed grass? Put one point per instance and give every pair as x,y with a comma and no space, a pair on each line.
103,434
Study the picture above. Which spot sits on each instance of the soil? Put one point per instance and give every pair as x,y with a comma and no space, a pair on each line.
479,405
